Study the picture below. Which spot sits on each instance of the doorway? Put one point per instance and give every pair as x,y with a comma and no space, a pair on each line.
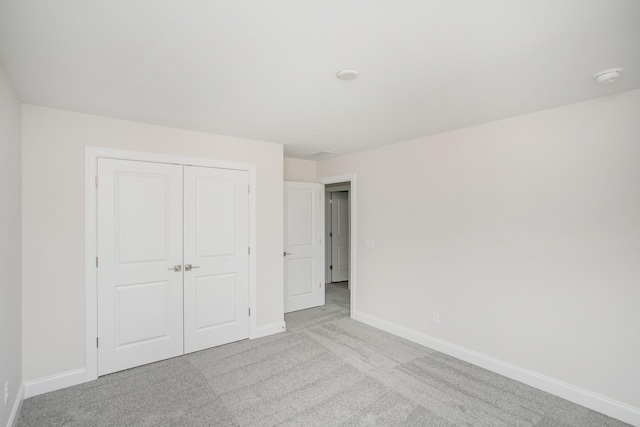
340,232
337,236
305,269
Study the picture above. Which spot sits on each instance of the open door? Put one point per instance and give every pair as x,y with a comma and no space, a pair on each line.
303,245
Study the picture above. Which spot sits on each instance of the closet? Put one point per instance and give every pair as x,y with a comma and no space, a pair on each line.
172,261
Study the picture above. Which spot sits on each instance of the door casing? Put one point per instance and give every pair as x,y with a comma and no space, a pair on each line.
92,154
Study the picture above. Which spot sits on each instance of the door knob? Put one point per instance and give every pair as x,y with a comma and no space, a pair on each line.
189,267
286,253
176,268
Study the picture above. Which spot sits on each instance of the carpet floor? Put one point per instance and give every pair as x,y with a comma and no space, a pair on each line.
325,370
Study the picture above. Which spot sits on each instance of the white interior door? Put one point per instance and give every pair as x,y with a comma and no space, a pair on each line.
139,242
303,245
216,242
339,236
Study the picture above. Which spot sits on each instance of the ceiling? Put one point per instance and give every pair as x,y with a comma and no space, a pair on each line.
266,70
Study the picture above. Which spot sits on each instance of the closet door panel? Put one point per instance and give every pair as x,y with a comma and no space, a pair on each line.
216,242
140,317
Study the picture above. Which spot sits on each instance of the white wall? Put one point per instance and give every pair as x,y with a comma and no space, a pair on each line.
10,248
53,222
523,234
299,170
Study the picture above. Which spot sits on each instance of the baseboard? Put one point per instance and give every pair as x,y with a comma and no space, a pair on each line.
54,382
79,376
583,397
271,329
15,411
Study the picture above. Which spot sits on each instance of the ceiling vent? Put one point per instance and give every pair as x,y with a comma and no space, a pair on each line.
347,74
322,153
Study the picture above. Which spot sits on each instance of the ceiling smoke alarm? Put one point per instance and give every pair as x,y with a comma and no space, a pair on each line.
608,76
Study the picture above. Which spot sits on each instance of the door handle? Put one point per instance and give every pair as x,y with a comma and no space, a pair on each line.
286,253
189,267
176,268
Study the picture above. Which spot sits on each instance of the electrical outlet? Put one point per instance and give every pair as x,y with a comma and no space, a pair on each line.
435,318
6,392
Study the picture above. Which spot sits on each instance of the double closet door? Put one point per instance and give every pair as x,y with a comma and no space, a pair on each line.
173,261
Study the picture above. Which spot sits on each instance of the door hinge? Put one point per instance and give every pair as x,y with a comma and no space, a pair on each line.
331,234
96,180
97,342
331,267
96,262
249,250
249,311
330,201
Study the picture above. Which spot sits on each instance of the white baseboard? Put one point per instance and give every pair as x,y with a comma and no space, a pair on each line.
54,382
79,376
599,403
16,407
273,328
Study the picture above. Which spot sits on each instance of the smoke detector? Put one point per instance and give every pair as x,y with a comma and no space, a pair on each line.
608,76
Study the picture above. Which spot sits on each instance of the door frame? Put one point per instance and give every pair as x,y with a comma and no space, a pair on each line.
92,154
351,178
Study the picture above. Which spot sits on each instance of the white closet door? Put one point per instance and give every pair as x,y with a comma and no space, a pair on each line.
140,318
216,242
303,262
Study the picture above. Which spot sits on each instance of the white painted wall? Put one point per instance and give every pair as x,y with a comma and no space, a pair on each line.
300,170
523,234
53,222
10,248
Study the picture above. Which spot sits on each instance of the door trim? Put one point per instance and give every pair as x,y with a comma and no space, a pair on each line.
90,232
352,232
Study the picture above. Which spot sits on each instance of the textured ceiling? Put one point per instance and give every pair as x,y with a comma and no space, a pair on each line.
266,70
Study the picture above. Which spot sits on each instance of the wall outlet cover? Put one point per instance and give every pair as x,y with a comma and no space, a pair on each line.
435,318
